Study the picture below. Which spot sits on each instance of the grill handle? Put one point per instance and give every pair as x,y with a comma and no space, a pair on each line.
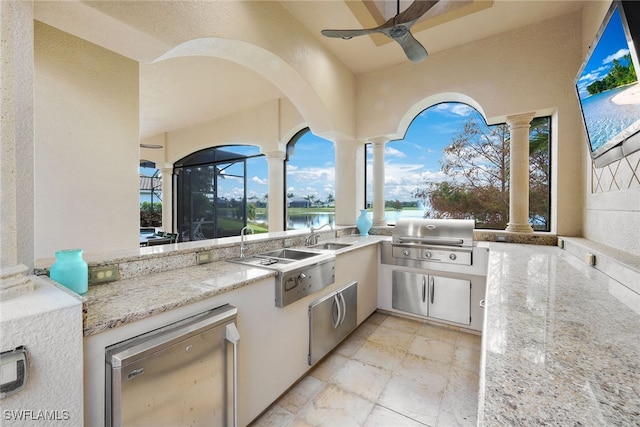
432,240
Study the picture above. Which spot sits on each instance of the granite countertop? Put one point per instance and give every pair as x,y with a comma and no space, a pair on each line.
559,348
113,304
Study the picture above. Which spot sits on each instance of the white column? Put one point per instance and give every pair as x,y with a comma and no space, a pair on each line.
350,158
519,173
378,181
276,202
167,199
17,249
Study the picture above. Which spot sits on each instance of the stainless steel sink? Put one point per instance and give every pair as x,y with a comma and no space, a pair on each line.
290,254
330,246
300,272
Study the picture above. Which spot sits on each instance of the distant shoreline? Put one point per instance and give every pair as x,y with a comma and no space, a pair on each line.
631,95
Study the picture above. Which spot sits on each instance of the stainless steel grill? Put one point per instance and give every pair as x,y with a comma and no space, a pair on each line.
441,240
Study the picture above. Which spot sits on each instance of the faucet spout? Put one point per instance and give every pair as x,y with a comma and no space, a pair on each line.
242,234
312,239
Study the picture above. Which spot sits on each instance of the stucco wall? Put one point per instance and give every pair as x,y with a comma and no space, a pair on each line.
527,70
87,146
48,322
612,193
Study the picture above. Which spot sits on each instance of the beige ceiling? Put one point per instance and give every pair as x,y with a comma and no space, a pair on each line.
186,91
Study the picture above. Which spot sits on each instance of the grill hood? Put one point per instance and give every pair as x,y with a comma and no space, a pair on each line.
440,232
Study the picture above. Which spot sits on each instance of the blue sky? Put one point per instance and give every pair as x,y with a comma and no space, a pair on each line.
612,45
311,169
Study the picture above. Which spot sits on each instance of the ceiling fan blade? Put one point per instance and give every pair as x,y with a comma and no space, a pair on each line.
412,47
415,11
347,34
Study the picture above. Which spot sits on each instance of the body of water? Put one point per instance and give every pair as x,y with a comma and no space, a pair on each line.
605,119
311,219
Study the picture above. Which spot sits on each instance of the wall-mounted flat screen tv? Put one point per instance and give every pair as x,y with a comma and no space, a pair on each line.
607,85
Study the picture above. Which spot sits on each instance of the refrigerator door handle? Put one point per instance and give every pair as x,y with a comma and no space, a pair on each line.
336,302
432,291
232,335
344,308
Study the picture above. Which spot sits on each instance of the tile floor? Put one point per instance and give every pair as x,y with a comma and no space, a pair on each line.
390,372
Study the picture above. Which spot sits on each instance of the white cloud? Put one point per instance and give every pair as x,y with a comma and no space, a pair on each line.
259,180
619,54
392,152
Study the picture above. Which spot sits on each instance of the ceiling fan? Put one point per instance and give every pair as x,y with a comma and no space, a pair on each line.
396,28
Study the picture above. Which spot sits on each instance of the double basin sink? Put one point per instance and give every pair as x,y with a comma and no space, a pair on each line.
285,259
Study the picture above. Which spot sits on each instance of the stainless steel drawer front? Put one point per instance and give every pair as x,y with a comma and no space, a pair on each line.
178,375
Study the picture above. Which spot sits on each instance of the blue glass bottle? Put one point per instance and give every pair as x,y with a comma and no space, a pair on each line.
363,223
71,270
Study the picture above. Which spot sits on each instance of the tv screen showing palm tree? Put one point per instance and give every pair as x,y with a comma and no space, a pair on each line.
608,87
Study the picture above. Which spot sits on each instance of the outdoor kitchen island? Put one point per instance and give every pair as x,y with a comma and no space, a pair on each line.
558,347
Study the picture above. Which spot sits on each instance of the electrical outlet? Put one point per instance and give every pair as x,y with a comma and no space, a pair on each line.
501,238
287,243
104,274
204,257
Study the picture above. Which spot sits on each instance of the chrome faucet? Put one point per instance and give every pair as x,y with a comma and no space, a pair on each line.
312,239
242,234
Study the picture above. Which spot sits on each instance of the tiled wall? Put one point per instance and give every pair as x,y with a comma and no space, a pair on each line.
620,175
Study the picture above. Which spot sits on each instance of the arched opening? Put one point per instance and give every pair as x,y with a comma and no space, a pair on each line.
452,164
309,181
211,192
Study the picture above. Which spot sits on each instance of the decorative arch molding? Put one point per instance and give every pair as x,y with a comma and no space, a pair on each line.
268,65
430,101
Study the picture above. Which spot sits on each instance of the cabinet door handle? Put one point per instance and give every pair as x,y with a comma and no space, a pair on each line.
432,291
344,308
424,289
336,302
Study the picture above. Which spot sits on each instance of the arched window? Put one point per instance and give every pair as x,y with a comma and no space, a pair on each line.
309,181
212,193
451,164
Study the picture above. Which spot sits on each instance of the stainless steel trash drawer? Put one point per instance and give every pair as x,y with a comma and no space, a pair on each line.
179,375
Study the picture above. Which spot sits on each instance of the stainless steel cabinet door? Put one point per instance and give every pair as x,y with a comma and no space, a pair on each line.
409,292
450,299
331,319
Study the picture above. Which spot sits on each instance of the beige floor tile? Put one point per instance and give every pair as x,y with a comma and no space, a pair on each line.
329,366
467,358
350,346
440,333
275,416
364,380
371,380
469,341
401,324
383,417
423,370
379,355
301,393
376,318
441,351
391,337
412,399
334,407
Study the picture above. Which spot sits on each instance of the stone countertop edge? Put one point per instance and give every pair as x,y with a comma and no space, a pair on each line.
561,342
113,304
